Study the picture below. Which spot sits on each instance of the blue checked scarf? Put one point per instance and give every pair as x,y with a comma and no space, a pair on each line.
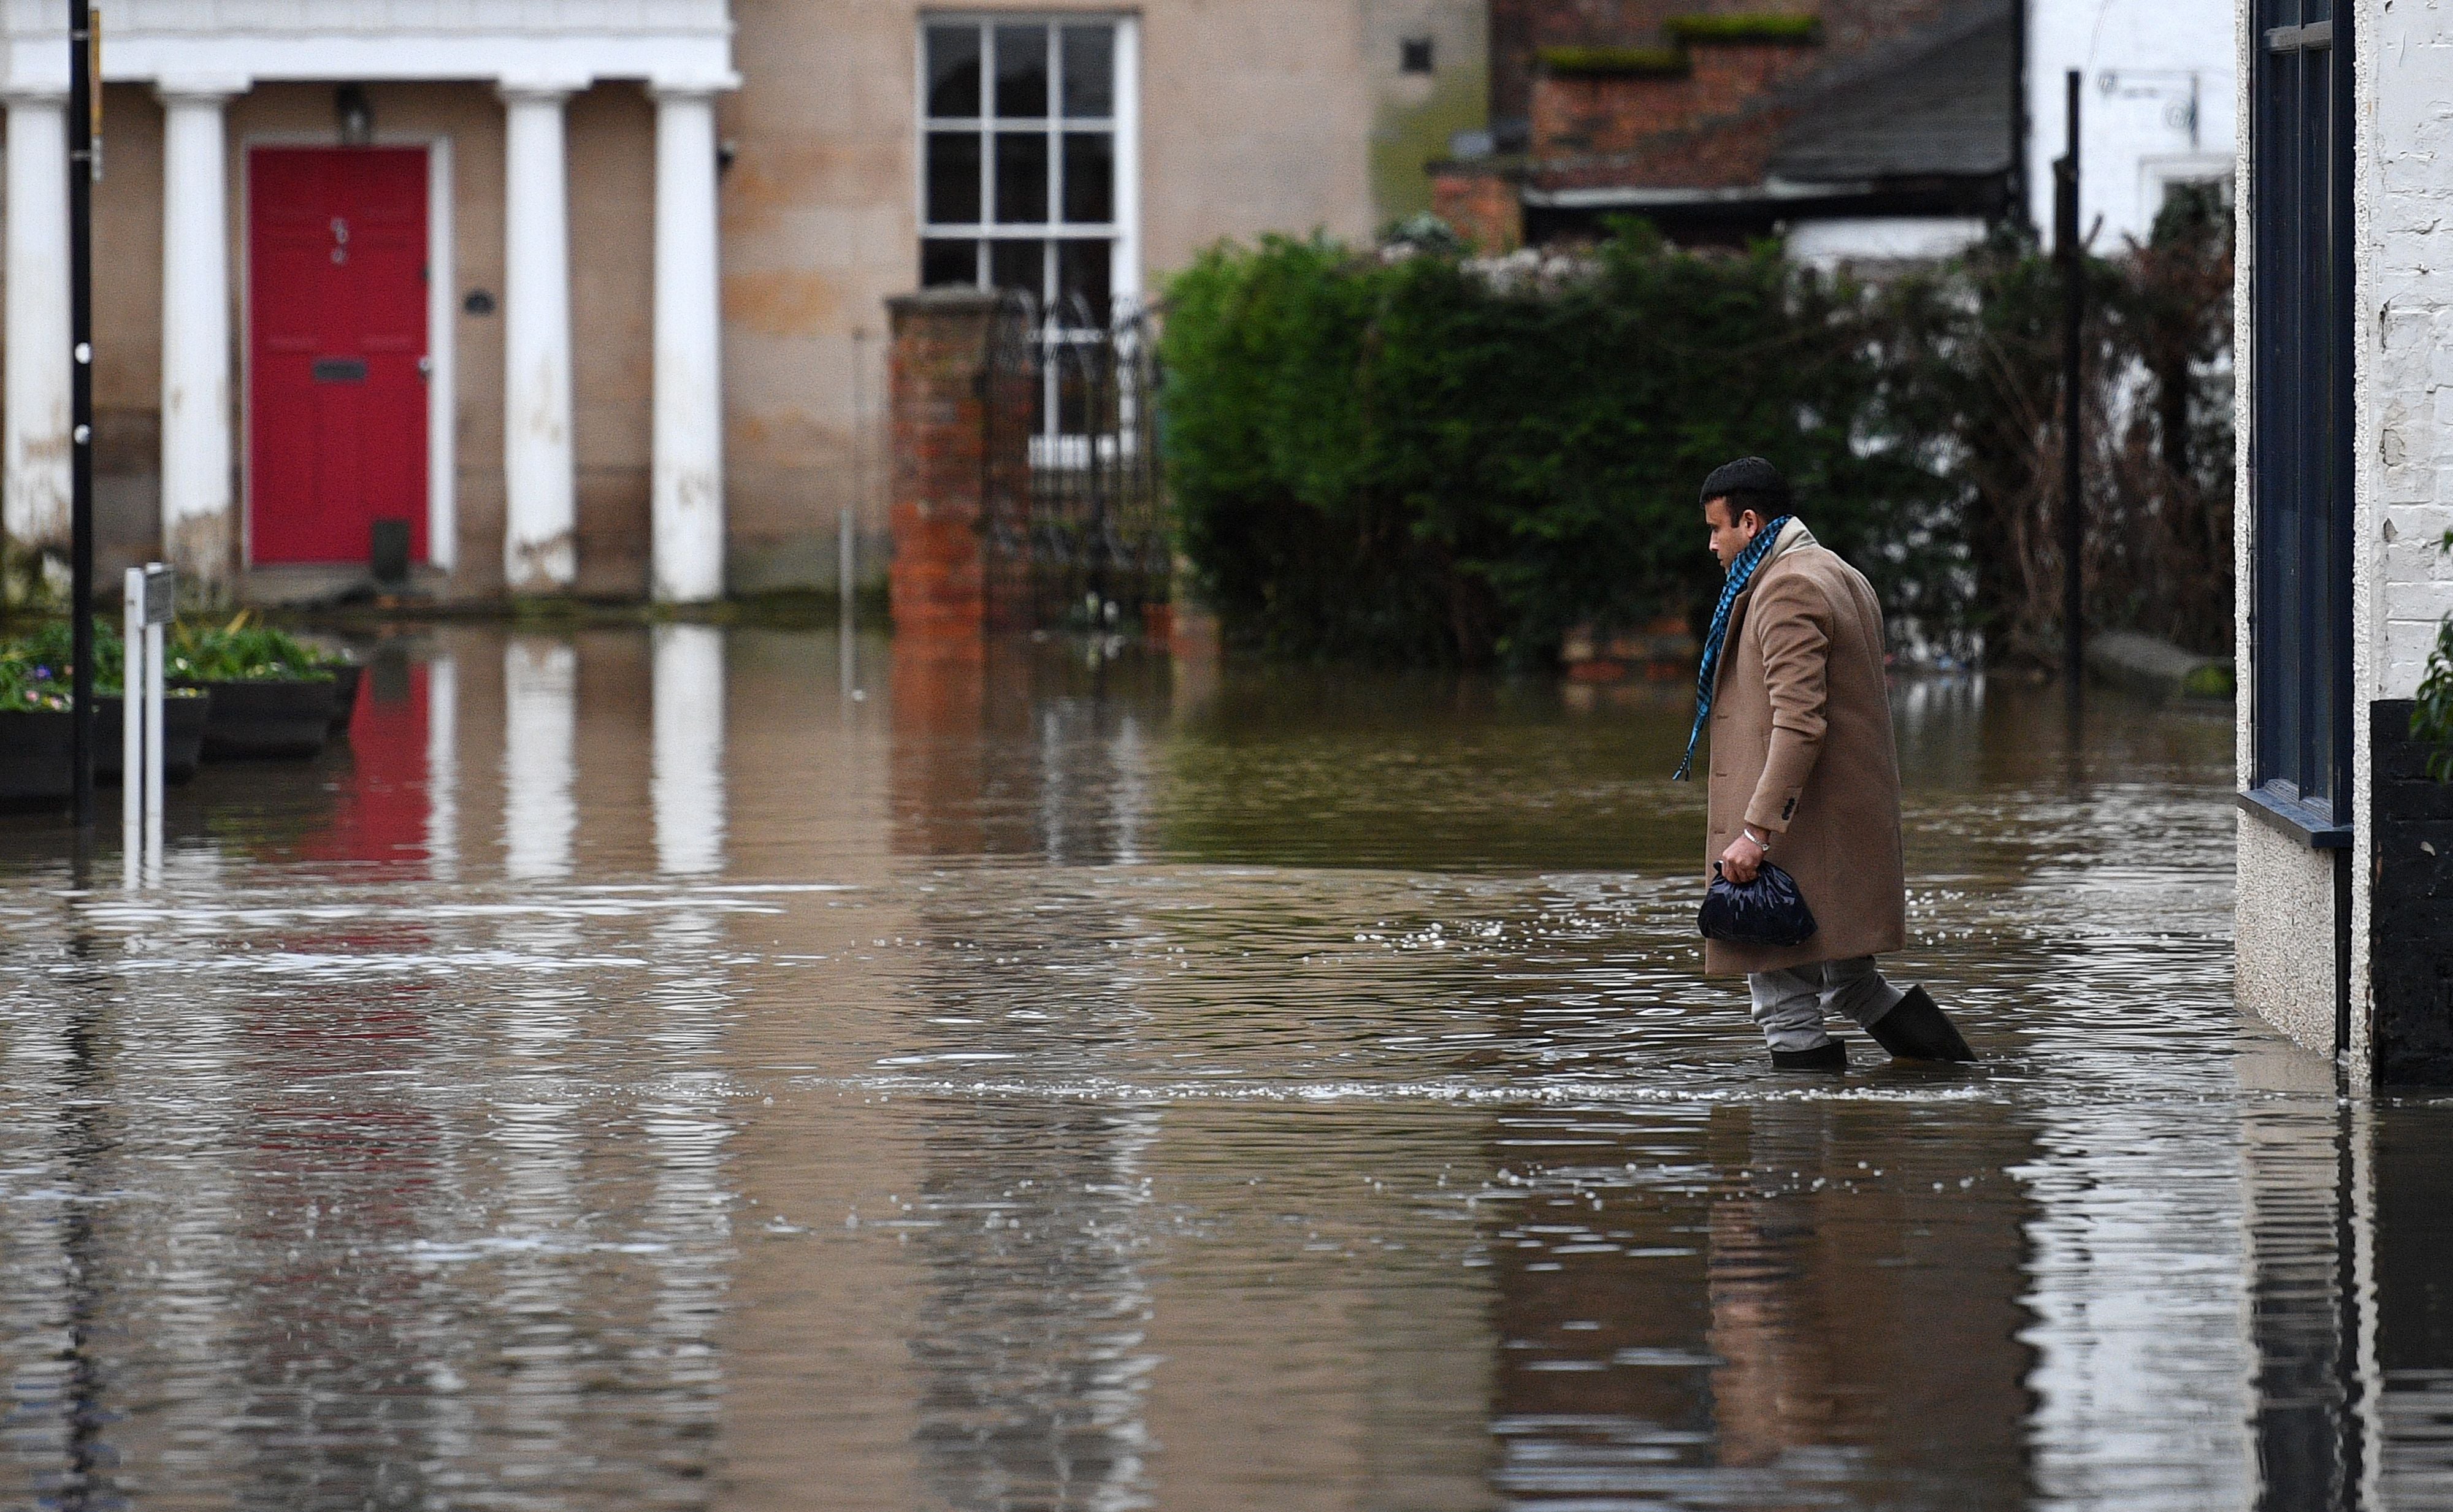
1741,572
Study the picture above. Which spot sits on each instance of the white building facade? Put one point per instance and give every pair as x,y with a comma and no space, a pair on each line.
2156,106
2345,303
310,286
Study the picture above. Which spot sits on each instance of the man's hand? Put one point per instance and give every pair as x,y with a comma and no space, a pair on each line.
1742,859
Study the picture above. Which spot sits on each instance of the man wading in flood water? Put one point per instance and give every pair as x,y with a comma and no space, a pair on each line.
1802,766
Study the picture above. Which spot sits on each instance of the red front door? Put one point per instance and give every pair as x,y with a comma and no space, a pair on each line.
336,404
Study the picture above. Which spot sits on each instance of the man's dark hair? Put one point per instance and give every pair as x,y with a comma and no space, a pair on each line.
1749,482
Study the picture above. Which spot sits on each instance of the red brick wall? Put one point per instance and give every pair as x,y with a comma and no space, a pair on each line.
1617,115
1520,28
957,513
1481,206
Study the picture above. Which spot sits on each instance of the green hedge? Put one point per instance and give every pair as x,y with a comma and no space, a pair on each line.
1412,457
1395,460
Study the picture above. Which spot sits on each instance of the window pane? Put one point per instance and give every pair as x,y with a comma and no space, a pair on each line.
1021,266
954,71
1090,177
947,264
1089,70
1021,178
1081,272
1022,71
954,178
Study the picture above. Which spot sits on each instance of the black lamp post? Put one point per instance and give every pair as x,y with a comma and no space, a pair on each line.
2069,249
84,99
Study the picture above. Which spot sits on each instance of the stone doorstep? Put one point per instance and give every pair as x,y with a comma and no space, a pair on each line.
305,585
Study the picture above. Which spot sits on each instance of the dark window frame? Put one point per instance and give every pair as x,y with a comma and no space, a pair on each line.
2300,442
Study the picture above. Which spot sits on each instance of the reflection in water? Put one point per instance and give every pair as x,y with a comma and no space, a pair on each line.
1059,1081
442,765
688,783
540,739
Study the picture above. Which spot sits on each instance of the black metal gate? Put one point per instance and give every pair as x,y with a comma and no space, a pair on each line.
1099,546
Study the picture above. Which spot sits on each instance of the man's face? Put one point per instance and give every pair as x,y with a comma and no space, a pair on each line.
1729,536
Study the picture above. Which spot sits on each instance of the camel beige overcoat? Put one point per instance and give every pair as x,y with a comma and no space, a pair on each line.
1802,749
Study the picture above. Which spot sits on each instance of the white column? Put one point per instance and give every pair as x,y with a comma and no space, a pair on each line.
35,414
540,551
197,536
688,493
688,786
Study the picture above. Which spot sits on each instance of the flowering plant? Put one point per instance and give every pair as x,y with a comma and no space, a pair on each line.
26,683
242,653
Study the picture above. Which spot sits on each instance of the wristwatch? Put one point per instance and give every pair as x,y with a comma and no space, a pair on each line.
1763,841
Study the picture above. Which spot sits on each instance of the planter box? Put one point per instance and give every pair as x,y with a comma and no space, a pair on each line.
345,677
268,719
33,757
183,735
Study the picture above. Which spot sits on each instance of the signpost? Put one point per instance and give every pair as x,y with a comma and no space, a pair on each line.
151,593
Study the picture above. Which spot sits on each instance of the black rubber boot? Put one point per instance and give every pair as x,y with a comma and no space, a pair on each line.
1917,1029
1831,1057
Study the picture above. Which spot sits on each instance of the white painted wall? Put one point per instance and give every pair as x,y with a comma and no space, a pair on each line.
677,43
1881,239
2401,585
2142,65
2402,356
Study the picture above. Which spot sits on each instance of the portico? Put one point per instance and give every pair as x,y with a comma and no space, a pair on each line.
261,465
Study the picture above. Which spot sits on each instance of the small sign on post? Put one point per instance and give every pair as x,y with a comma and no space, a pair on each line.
151,595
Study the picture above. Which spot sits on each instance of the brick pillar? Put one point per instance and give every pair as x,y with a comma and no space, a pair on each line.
1481,204
961,474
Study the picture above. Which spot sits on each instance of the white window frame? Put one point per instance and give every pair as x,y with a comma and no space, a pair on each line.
1122,233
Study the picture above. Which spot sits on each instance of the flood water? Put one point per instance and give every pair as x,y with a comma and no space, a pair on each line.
718,1069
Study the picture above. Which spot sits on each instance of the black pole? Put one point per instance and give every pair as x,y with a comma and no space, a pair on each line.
2073,260
81,87
2017,207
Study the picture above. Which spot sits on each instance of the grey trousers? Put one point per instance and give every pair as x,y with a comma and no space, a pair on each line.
1791,1004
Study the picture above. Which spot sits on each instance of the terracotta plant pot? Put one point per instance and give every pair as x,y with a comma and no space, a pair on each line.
183,735
33,757
273,718
346,676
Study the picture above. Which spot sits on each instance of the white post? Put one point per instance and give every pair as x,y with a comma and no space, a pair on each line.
132,719
540,551
688,489
34,414
153,735
686,789
196,517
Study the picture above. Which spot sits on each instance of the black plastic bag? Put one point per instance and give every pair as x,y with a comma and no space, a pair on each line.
1767,911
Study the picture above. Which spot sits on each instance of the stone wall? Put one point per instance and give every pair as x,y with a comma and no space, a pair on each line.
2284,966
1257,116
